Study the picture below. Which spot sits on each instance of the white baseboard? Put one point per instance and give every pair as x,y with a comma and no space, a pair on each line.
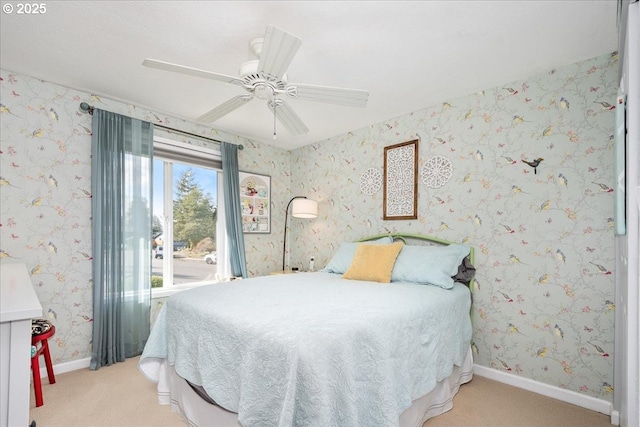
615,417
61,368
558,393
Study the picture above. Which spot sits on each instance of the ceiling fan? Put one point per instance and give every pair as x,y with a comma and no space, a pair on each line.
265,79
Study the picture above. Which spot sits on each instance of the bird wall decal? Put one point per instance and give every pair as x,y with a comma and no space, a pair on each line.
534,164
558,331
599,349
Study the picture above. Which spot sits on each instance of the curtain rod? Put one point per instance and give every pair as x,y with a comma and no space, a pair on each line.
89,109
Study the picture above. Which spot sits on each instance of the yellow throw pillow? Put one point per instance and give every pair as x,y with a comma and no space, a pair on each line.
373,262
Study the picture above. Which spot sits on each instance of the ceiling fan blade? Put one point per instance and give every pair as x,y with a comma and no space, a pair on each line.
287,117
225,108
277,52
161,65
332,95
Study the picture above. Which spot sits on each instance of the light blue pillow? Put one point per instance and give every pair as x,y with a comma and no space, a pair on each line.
429,265
341,260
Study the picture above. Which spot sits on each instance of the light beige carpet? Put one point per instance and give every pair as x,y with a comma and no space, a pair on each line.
120,396
487,403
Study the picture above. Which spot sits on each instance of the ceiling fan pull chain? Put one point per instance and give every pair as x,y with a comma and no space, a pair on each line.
274,119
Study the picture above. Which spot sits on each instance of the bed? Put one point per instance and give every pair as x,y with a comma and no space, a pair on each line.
379,337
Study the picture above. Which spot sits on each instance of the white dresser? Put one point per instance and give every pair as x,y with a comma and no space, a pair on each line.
18,305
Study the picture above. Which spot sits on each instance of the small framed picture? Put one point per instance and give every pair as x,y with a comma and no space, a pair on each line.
255,199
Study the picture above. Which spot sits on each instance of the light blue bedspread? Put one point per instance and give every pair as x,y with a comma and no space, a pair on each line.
312,349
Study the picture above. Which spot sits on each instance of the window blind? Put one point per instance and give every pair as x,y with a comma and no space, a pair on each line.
187,153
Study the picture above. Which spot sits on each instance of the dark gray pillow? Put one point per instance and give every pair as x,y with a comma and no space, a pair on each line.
466,271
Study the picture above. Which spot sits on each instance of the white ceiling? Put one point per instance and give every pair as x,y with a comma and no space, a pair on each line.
407,54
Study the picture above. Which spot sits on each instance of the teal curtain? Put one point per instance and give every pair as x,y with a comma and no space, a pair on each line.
121,178
233,209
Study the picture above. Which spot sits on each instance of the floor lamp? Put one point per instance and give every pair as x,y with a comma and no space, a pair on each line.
302,208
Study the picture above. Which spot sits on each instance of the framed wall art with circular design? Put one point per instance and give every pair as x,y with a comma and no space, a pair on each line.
370,181
436,172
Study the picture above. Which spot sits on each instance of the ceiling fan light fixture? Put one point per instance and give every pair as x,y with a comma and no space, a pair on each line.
265,79
263,91
263,85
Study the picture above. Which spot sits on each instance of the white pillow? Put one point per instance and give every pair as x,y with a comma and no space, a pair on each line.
429,265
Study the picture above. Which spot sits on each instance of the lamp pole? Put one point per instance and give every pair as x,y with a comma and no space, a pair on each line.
286,216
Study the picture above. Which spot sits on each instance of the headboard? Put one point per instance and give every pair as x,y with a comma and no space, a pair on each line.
403,237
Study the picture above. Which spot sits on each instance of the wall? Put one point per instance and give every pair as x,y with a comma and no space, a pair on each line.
544,240
45,197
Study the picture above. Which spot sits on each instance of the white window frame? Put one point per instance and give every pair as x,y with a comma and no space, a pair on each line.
182,153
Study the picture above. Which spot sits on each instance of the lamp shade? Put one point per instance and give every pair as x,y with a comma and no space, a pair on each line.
304,208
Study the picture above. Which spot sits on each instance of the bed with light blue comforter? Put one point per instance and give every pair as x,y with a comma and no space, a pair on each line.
313,349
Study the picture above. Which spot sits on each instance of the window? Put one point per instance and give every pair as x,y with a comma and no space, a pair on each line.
187,196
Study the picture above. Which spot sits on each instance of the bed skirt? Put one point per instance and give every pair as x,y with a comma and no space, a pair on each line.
175,391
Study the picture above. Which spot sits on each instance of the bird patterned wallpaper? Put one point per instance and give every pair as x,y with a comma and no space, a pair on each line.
530,189
542,230
45,197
